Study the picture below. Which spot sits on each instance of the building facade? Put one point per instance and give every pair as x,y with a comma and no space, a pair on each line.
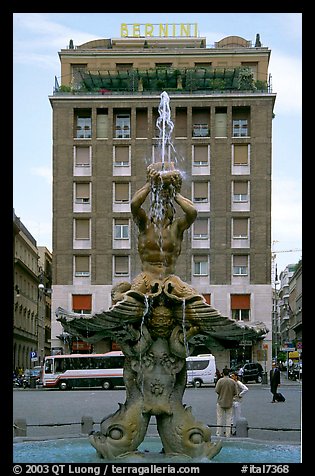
105,134
31,302
289,311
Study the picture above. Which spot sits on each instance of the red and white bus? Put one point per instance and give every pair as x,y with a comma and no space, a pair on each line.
84,370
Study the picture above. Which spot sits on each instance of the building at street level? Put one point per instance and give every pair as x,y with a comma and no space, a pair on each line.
105,108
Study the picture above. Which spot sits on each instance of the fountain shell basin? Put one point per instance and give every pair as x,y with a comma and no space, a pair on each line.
78,450
165,174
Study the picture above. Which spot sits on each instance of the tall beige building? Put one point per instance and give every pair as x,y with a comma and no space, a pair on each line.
104,135
31,298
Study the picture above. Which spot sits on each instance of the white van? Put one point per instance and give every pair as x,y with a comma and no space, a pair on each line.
201,370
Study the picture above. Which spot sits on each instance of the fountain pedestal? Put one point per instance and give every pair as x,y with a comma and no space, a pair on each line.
155,379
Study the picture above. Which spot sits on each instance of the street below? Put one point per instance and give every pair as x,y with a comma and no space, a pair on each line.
64,409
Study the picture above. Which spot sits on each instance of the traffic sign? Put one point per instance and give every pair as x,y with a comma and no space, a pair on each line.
33,354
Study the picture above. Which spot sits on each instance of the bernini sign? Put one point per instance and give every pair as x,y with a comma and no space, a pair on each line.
137,30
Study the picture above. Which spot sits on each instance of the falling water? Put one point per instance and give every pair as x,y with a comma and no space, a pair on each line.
165,125
145,312
184,329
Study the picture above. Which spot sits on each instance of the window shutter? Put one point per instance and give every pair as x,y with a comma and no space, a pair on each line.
121,264
200,190
207,298
121,192
122,154
102,125
240,260
240,226
221,124
201,226
240,154
82,264
201,153
82,302
82,156
121,221
82,190
82,229
240,301
240,188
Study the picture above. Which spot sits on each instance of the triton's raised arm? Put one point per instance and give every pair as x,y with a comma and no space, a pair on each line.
138,213
188,208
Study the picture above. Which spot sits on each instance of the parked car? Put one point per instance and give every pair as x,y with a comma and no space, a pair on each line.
32,377
251,371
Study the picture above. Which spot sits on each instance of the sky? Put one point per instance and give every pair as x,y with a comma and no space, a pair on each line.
37,39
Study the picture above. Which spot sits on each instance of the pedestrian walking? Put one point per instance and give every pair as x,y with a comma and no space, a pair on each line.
240,374
227,389
274,381
237,400
217,374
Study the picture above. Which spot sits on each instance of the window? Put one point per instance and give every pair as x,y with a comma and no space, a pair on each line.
240,314
240,228
200,155
121,192
82,156
155,116
200,130
83,122
121,228
157,153
240,128
163,65
78,71
181,122
122,126
82,265
121,156
240,191
240,265
200,229
82,303
203,65
82,229
240,307
82,192
207,298
200,265
240,121
102,123
200,192
121,265
200,122
124,66
141,123
220,122
240,154
253,66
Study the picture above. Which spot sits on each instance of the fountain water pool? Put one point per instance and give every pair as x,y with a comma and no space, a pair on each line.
79,450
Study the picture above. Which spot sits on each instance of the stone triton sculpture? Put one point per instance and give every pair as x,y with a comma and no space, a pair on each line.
156,319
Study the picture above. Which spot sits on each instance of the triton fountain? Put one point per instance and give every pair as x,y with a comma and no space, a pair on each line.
157,319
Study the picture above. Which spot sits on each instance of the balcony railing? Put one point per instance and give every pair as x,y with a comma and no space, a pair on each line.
173,80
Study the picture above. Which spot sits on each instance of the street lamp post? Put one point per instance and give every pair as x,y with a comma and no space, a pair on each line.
41,324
